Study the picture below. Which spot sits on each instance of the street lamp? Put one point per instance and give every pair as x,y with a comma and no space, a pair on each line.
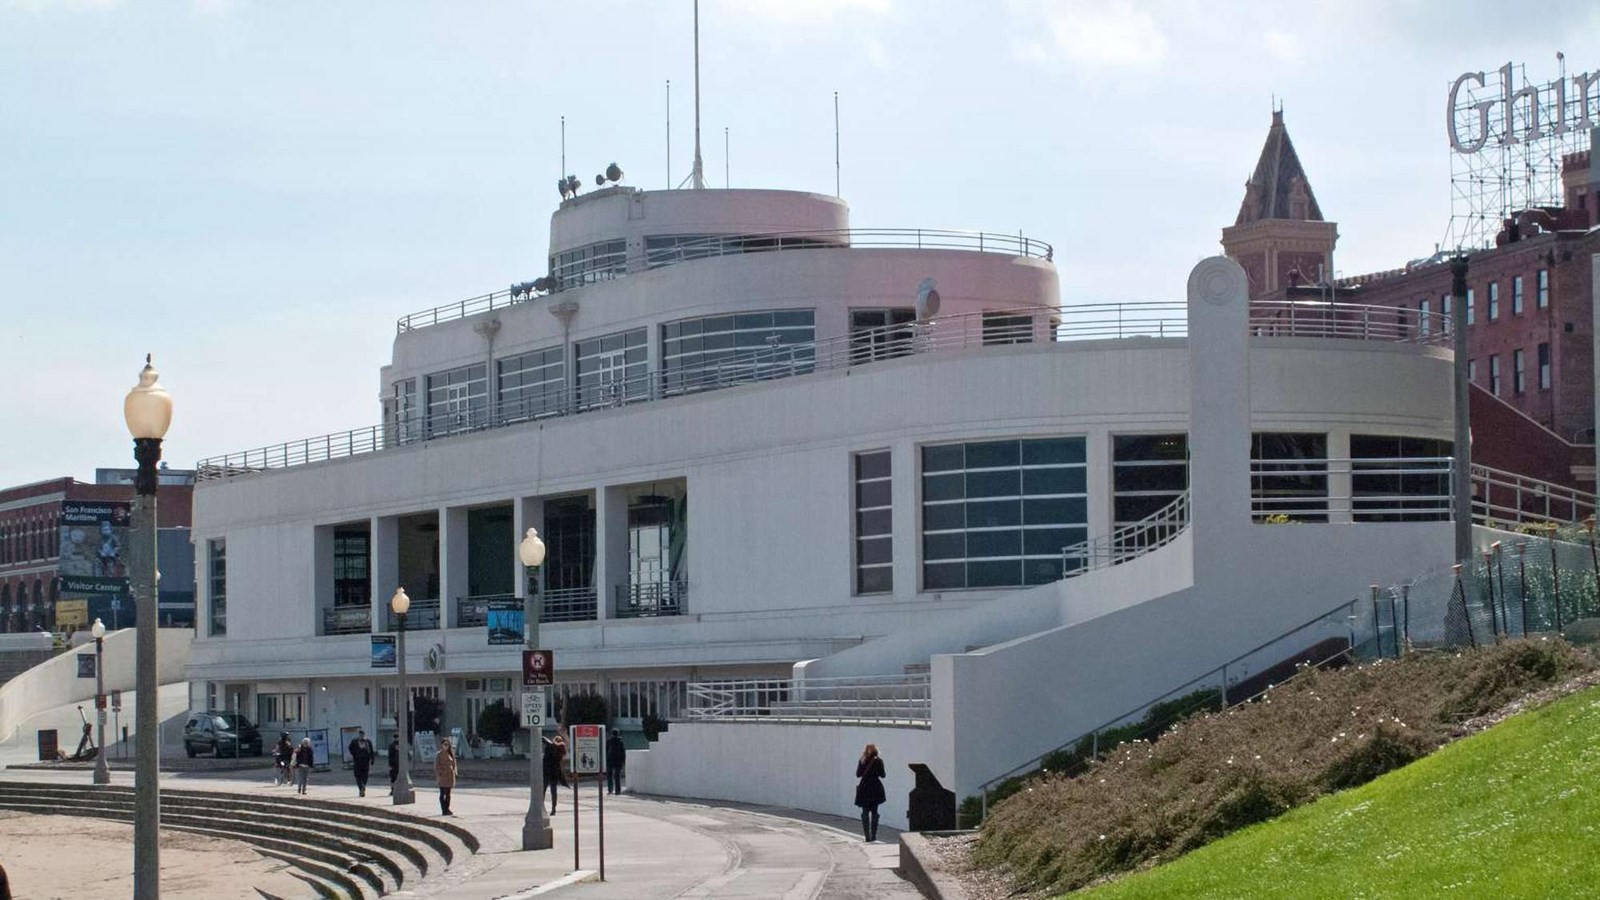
403,792
102,775
536,834
148,412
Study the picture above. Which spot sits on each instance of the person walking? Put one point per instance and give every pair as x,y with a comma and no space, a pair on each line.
616,762
282,758
444,768
303,761
394,762
869,790
555,752
361,754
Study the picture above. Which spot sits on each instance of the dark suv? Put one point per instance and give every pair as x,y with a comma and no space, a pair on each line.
221,734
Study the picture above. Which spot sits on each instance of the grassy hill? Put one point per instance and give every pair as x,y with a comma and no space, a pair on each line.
1320,733
1511,812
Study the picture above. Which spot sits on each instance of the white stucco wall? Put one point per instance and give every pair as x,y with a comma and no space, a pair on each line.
798,766
55,682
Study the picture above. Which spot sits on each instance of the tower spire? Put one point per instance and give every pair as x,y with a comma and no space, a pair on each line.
699,174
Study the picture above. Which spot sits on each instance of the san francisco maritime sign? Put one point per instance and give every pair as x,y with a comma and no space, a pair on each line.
1510,113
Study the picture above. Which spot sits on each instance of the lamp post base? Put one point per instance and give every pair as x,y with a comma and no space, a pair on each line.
537,837
404,794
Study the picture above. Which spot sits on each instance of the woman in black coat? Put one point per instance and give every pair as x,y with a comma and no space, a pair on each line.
869,790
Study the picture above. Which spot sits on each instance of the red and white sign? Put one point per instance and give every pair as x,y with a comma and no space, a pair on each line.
587,741
538,668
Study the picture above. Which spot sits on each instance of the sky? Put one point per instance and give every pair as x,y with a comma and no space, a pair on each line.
255,191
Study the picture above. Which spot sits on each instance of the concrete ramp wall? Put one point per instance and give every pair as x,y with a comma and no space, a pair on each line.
799,766
55,682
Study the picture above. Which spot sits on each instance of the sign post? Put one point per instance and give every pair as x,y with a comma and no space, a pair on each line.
588,758
533,707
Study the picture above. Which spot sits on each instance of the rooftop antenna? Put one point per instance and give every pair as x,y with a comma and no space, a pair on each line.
563,147
669,134
699,167
725,182
836,143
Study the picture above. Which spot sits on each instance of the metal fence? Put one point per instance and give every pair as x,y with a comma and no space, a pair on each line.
879,700
564,605
1128,542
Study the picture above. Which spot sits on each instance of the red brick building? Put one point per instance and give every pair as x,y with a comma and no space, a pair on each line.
1530,339
30,542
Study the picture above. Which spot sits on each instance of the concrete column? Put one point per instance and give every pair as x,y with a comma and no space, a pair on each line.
385,562
1097,457
1594,306
321,586
1219,414
1340,485
904,519
452,561
611,545
527,512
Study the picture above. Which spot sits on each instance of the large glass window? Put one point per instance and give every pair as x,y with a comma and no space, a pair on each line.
1494,300
570,541
1519,384
217,580
1516,295
881,333
1544,288
1494,374
1289,481
458,400
705,353
1424,320
600,261
1007,328
1472,307
613,369
1399,479
531,384
999,513
1544,367
352,566
874,530
404,417
665,249
1148,472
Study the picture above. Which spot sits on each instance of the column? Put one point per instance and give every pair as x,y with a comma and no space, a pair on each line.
903,518
385,567
1097,469
1219,414
1341,486
611,546
453,561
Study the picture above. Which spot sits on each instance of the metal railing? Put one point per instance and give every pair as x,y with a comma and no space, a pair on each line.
651,598
1365,489
347,620
995,329
1128,542
422,616
564,605
882,699
1506,498
1360,321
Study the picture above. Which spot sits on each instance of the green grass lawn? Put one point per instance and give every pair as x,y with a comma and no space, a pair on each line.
1512,812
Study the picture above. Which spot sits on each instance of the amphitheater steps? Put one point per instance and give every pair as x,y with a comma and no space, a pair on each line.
338,849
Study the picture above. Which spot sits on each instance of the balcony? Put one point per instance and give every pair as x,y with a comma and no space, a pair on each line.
347,620
424,616
565,605
651,599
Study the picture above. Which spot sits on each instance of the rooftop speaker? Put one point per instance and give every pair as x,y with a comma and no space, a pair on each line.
613,172
927,300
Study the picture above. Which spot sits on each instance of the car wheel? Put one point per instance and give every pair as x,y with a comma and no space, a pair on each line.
189,749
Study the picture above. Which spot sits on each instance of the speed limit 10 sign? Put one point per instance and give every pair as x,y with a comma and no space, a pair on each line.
538,668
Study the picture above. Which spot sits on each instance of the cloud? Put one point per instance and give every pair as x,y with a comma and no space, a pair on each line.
806,12
1117,34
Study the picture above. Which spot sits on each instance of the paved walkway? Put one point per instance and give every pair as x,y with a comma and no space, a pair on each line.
656,848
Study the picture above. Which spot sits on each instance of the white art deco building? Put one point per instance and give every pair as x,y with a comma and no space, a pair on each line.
752,455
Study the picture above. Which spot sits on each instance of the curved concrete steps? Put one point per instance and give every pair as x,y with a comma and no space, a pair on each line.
339,849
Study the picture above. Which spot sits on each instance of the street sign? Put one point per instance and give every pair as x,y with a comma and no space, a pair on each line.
116,700
533,707
538,668
587,741
86,665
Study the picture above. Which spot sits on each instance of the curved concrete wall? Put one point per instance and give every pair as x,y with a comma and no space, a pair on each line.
609,214
56,682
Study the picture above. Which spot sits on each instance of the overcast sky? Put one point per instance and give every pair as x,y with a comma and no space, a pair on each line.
255,191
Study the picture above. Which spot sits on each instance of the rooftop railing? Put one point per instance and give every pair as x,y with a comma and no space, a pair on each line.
878,699
957,332
732,244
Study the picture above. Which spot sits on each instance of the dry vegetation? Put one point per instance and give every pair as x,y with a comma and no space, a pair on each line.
1321,732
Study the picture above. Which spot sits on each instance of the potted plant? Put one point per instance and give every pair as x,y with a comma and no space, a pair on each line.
496,724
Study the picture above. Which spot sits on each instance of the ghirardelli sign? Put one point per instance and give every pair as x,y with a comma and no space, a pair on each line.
1516,114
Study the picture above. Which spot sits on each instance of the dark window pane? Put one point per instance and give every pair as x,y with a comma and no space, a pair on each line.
875,550
944,546
874,522
1054,481
1037,541
992,454
938,576
994,573
1041,571
801,317
1147,447
874,493
942,516
1133,508
1054,512
994,512
1150,478
746,321
942,487
994,543
1052,450
876,580
942,458
872,465
1005,483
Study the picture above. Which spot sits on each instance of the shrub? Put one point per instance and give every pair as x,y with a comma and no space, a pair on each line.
653,725
1387,749
497,723
426,712
584,709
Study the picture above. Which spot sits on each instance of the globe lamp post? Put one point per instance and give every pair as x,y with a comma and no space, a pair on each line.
403,792
102,775
536,833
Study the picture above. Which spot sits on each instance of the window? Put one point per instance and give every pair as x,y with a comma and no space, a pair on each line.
1518,385
664,249
634,699
1472,307
1494,375
612,369
1007,328
217,579
1543,288
1289,476
1424,320
699,354
531,384
1472,371
881,333
1446,311
1148,472
600,261
403,413
1544,367
999,513
874,525
1494,300
1516,295
458,400
1399,479
352,572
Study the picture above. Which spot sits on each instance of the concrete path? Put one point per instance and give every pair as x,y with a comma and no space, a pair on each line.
656,848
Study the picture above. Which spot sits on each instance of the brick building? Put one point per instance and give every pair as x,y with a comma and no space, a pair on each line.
1530,320
31,549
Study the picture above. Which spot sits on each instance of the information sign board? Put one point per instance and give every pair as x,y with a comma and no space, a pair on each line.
538,667
587,742
533,707
86,665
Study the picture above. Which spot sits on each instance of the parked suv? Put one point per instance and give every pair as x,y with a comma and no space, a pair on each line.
221,734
